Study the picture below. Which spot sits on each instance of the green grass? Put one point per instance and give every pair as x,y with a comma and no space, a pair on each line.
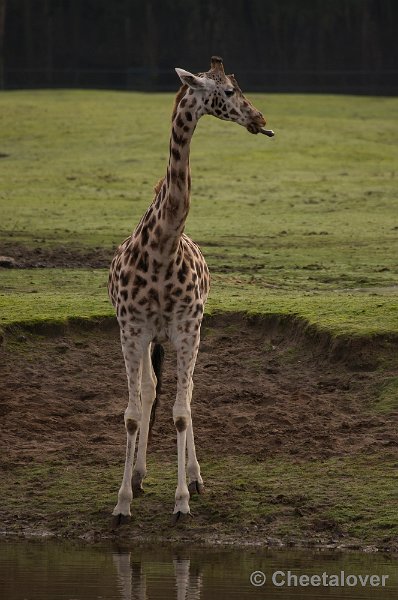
56,295
345,498
306,223
32,296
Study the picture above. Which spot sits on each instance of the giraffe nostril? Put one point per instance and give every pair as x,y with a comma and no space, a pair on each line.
260,119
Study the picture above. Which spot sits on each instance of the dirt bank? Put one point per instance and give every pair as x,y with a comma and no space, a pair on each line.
253,394
257,394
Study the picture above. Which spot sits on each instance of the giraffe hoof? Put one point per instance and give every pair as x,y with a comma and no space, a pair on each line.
195,487
136,484
138,491
180,517
118,520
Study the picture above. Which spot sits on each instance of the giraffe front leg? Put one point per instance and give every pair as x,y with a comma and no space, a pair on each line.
187,349
132,418
132,352
181,417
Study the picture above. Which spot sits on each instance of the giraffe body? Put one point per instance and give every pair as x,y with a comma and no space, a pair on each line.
160,299
159,283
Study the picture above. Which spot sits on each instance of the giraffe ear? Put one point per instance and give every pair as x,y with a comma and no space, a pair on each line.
192,81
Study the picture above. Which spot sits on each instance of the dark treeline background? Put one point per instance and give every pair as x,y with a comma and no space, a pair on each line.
277,45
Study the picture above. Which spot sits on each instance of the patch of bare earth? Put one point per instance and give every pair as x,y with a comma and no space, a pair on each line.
18,256
257,392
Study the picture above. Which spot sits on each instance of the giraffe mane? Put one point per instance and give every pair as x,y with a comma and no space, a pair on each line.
158,186
178,98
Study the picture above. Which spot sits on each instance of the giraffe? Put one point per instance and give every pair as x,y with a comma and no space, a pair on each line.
159,283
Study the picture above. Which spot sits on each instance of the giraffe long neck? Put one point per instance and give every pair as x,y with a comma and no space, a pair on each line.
173,199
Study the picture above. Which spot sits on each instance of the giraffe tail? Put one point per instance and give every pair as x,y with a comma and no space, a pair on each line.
157,364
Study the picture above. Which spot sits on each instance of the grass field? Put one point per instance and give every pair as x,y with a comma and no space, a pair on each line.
306,223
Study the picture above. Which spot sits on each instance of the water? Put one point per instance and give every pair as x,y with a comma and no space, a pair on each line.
33,570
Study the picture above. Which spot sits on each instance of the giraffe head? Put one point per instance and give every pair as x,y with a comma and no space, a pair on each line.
219,95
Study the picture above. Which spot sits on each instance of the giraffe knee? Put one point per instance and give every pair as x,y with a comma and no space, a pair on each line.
131,426
181,423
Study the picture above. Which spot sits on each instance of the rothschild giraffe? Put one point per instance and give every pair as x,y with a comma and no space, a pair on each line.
159,283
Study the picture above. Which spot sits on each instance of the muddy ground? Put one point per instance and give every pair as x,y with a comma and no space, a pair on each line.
256,392
18,256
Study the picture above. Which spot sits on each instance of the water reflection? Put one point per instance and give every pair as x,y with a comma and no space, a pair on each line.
132,578
188,583
56,570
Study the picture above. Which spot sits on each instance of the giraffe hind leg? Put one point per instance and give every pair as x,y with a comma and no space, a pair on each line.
195,485
148,395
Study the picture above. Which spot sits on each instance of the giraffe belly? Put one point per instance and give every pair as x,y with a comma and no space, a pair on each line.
159,325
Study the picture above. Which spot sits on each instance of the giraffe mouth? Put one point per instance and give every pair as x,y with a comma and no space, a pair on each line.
255,128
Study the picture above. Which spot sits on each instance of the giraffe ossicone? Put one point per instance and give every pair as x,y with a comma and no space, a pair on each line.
159,283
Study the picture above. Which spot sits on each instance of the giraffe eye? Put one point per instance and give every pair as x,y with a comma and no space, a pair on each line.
229,92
